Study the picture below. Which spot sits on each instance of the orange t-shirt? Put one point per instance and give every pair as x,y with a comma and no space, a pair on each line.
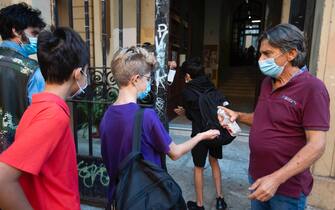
44,151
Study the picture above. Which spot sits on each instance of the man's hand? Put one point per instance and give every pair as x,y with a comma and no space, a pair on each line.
210,134
232,114
246,118
264,188
179,111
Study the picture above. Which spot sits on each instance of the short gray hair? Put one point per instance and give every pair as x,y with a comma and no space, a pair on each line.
287,37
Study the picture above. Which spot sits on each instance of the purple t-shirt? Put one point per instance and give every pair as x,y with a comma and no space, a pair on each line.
278,130
116,132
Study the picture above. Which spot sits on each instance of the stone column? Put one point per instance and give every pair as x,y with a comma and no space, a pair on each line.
322,59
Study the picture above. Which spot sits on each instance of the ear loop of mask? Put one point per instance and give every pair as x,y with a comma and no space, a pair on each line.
135,84
19,38
283,66
81,89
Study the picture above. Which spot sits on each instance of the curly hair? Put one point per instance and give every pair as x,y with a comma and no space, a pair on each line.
19,16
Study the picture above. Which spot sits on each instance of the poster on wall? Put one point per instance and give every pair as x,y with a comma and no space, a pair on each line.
211,63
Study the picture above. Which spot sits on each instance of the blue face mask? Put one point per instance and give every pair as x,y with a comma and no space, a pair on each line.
31,47
270,68
143,94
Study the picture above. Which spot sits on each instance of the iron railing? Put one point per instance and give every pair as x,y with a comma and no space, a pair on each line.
88,109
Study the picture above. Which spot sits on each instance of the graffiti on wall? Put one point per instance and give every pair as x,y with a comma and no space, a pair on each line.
92,172
161,43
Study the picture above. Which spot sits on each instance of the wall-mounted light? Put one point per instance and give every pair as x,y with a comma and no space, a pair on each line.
256,21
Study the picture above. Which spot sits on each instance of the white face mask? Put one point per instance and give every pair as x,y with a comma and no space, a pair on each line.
81,89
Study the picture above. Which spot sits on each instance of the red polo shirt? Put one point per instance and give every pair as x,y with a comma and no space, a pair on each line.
278,130
44,151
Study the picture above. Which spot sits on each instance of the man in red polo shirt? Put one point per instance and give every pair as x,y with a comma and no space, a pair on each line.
288,127
39,170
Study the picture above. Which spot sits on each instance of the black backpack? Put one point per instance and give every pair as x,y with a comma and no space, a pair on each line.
209,100
142,184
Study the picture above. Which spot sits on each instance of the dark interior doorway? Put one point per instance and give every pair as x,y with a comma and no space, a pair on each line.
247,25
230,29
240,77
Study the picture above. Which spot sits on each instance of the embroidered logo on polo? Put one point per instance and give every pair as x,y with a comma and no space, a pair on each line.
290,100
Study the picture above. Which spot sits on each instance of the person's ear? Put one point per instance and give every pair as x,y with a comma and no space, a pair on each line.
15,33
134,79
18,37
292,54
77,73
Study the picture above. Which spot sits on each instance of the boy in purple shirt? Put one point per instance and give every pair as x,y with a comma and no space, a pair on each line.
131,68
288,127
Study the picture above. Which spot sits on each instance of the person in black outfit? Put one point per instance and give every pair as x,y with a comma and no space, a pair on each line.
196,81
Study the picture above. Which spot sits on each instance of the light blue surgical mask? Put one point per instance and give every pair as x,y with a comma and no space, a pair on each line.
270,68
31,47
142,95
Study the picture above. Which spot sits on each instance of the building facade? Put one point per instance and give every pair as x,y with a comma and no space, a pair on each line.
192,29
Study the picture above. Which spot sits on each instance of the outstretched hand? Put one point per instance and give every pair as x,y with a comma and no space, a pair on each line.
210,134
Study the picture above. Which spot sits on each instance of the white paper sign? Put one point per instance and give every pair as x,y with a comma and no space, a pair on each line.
171,75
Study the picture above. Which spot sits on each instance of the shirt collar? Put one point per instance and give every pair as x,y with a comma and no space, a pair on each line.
14,46
304,68
50,97
291,81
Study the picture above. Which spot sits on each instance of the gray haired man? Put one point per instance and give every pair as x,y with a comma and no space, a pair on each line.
288,126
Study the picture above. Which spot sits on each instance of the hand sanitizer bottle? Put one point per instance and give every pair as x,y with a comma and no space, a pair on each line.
232,127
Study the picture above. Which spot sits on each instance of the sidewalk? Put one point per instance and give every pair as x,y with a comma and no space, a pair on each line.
234,169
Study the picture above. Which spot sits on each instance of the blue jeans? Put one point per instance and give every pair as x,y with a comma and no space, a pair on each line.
279,202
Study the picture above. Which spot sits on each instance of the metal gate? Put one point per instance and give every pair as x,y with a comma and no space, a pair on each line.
88,109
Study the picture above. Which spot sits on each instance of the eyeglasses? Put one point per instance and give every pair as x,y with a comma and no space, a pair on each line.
149,79
84,72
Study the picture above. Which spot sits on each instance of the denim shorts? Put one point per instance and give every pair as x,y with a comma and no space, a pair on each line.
279,202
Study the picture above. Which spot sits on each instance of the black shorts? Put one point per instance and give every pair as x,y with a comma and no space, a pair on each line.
199,152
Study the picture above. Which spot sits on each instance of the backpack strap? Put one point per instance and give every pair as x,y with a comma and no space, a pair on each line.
195,91
136,148
209,90
205,91
137,133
